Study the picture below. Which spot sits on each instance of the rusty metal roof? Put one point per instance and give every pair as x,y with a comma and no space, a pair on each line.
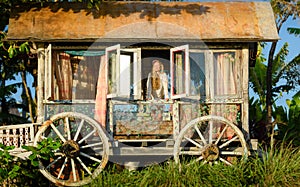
148,21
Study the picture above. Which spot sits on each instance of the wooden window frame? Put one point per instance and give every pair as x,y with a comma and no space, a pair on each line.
48,73
186,88
118,75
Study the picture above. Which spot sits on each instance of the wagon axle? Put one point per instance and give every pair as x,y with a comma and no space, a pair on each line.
71,149
211,152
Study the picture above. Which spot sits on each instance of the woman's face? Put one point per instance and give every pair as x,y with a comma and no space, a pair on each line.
156,66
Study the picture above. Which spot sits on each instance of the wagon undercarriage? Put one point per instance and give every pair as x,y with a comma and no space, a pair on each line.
86,149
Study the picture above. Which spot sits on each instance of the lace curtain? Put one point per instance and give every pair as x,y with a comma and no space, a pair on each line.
63,76
75,76
225,74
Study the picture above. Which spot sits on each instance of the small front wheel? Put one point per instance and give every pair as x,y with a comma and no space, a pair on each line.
83,152
210,139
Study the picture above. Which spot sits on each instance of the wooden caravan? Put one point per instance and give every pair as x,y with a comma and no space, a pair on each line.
98,93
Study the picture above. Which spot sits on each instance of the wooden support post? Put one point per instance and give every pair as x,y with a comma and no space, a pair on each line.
245,88
40,83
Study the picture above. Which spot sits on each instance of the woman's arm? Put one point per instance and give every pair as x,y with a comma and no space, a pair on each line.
149,88
165,85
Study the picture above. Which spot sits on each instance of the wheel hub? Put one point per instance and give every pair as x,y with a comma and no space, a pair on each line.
211,152
70,148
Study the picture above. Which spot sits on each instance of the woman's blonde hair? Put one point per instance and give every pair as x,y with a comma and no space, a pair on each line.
160,63
155,79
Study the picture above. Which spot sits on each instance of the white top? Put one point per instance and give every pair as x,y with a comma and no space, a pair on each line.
162,91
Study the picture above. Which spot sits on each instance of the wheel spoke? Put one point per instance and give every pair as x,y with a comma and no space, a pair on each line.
194,142
67,125
211,146
234,153
90,157
58,133
58,153
91,145
221,135
225,161
78,130
87,136
200,134
228,142
51,164
84,166
62,168
73,169
78,135
190,153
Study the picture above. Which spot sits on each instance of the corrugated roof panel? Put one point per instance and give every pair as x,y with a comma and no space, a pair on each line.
207,21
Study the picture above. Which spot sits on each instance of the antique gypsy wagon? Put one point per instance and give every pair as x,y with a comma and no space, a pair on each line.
92,74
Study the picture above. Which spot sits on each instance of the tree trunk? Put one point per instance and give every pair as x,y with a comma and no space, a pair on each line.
28,96
269,100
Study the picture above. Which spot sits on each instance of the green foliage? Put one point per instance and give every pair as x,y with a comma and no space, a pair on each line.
257,115
14,50
258,76
283,10
295,31
14,171
285,75
17,172
285,78
6,160
288,121
12,58
282,169
44,150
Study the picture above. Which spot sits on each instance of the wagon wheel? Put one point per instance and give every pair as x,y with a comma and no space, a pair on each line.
210,139
83,153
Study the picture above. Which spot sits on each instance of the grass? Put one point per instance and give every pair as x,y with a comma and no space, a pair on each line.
281,168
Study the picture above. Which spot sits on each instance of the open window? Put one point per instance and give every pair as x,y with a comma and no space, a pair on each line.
180,71
71,75
123,72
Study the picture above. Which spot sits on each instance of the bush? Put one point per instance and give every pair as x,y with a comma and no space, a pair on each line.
15,171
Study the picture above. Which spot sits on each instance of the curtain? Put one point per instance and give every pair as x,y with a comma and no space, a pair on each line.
86,77
225,83
100,106
63,73
225,74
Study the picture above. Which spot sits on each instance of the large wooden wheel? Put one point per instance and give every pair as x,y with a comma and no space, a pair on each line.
83,153
210,139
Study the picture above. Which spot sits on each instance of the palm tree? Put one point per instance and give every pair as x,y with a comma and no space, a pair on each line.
285,79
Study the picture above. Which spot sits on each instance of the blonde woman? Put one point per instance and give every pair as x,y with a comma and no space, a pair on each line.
157,83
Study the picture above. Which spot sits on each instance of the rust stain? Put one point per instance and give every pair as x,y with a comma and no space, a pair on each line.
145,20
47,123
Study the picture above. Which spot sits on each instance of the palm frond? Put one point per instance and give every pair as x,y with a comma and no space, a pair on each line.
290,72
295,31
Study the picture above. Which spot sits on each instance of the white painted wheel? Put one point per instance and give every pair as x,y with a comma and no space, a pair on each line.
210,139
84,151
